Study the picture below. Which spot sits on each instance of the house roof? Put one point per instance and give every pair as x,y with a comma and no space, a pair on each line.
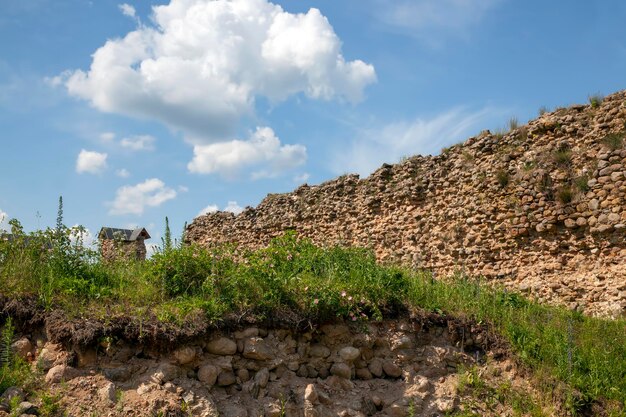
126,235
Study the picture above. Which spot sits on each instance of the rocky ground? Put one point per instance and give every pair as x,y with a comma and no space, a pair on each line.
409,367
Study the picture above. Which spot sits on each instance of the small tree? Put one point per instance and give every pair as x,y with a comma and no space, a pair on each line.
59,228
167,240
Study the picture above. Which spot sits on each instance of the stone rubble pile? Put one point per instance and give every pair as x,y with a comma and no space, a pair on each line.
540,209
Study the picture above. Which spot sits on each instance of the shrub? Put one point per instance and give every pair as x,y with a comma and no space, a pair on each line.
513,123
503,177
595,100
565,195
542,110
582,183
562,157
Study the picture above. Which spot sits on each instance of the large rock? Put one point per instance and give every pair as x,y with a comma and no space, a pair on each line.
392,370
349,353
22,348
60,373
341,370
107,393
185,355
262,377
207,374
166,372
256,348
222,346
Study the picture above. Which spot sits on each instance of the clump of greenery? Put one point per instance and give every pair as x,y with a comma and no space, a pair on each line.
503,177
582,183
562,157
513,123
614,141
529,165
595,100
565,195
542,110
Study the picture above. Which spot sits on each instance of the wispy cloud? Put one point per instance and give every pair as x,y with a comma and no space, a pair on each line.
433,20
122,173
138,143
388,143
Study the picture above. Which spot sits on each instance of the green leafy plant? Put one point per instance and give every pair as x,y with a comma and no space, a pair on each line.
503,177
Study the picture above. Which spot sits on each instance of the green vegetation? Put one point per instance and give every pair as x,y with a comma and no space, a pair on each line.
587,355
473,382
513,123
503,177
562,157
595,100
582,183
614,141
565,195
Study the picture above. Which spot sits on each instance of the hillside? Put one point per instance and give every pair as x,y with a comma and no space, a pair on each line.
540,208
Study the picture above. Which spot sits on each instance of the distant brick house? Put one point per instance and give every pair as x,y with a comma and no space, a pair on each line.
123,242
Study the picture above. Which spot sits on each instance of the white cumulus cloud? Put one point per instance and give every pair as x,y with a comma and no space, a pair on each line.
133,199
91,162
263,149
202,63
232,207
211,208
138,143
389,143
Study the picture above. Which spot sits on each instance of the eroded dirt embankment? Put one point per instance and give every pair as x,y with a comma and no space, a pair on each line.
411,365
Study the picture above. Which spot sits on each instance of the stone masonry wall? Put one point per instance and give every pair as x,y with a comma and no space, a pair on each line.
541,209
111,249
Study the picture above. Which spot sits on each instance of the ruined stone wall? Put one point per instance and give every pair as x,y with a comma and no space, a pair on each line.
540,209
112,250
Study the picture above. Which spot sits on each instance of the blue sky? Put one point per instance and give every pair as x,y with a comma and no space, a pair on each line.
140,110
